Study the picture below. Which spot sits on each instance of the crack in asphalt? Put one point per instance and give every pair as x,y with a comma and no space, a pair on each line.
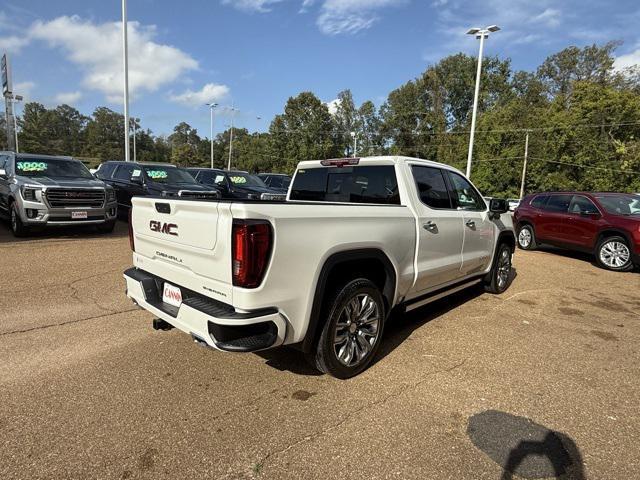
69,322
67,284
349,416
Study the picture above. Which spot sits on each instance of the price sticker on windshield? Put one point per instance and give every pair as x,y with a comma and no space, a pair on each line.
238,179
31,166
157,174
136,173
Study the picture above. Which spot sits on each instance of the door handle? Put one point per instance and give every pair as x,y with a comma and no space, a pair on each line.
430,226
470,224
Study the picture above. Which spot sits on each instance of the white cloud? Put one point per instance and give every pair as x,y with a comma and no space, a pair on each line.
211,92
24,89
68,98
351,16
97,50
550,17
629,60
260,6
13,43
333,106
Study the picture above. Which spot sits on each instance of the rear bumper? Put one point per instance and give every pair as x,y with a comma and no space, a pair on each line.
214,323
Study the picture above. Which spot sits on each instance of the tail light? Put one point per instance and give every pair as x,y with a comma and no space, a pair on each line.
132,241
251,249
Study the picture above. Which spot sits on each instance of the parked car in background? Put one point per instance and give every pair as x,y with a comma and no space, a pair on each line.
355,239
39,191
513,204
277,181
236,184
606,225
131,179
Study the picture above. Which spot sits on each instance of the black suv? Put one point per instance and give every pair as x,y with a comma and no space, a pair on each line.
135,179
235,184
277,181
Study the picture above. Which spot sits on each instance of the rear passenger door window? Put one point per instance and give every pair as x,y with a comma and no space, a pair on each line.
558,203
465,196
582,205
432,188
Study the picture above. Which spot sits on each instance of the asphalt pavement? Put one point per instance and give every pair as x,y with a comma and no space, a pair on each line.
540,382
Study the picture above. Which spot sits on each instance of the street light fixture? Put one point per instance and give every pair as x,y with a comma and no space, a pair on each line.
211,106
481,34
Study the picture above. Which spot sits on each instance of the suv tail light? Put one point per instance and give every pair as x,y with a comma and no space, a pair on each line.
251,249
132,241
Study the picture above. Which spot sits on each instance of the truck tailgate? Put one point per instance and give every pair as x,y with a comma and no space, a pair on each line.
186,242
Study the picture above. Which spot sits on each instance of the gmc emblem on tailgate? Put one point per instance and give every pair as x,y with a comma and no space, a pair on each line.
168,228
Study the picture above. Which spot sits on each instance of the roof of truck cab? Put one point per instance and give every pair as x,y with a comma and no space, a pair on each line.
383,159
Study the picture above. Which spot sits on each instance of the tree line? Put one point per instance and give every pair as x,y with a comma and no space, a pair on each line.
581,114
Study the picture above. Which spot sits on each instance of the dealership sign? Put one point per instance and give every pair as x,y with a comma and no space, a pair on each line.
6,75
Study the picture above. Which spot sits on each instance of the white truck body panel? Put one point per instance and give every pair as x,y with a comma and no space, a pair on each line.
305,235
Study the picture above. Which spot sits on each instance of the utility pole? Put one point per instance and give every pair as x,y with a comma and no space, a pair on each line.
231,137
481,34
355,144
524,167
134,140
14,99
125,56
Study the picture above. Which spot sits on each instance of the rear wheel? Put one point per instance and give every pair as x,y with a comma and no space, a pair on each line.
527,238
500,274
353,330
17,227
613,253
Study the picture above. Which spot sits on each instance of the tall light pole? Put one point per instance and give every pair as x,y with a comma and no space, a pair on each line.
233,110
14,99
135,157
211,107
125,56
524,166
481,34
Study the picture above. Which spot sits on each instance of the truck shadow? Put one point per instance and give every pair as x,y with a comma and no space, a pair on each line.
399,326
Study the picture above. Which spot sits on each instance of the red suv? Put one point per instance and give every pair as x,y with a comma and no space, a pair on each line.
604,224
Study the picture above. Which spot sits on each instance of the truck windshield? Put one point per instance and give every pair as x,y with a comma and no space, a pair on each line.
169,175
365,184
620,204
51,167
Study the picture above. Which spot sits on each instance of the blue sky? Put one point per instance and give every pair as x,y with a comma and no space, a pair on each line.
258,53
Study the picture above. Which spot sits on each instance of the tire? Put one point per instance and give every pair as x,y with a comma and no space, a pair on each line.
527,238
106,227
499,276
348,316
614,253
17,227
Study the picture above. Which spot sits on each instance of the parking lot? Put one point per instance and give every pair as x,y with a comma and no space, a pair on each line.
542,381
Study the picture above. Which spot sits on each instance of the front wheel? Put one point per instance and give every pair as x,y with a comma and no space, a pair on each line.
106,227
500,275
613,253
17,227
353,329
527,238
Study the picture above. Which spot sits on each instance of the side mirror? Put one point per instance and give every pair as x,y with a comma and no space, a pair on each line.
498,205
3,173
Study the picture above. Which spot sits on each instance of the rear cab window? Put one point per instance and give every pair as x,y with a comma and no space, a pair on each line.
376,184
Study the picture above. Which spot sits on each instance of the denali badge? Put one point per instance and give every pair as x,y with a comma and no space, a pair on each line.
168,228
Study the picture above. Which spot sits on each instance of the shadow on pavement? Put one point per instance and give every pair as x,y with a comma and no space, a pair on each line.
60,233
525,448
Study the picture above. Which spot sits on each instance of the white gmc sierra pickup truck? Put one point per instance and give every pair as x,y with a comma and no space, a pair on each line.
355,239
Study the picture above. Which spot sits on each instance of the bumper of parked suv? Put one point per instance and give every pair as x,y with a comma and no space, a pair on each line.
209,322
40,214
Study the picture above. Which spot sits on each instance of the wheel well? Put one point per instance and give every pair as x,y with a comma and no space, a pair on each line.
525,222
508,238
611,233
342,268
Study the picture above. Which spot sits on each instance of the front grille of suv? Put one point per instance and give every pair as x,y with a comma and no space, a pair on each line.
75,197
